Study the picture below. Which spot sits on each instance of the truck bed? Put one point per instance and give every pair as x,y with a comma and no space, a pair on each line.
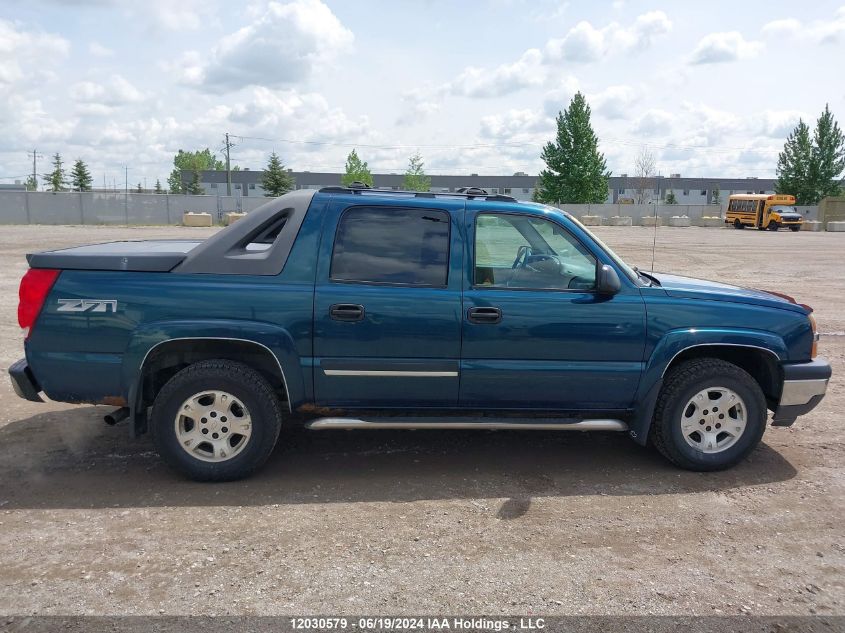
134,255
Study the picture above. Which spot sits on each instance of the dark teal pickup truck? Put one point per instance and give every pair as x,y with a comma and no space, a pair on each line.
353,308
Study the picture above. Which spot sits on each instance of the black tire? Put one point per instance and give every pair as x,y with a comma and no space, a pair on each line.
795,229
738,224
681,384
773,226
245,384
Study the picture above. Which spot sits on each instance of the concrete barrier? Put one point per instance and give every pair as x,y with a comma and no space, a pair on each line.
620,220
231,218
591,220
650,220
196,219
812,225
679,220
711,221
836,227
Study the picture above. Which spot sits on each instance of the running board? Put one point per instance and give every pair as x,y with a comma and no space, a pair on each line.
487,424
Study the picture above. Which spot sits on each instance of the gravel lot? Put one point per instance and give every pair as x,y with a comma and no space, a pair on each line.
433,522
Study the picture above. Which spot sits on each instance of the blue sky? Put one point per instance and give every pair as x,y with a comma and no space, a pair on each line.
711,88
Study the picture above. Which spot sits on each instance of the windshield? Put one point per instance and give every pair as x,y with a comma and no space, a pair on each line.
632,274
784,209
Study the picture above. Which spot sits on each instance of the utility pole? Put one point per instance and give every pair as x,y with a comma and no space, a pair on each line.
126,179
35,156
227,145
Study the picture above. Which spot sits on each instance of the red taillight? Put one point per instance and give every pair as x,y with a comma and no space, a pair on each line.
35,286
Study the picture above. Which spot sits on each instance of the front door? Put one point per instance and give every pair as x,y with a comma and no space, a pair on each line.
535,332
387,304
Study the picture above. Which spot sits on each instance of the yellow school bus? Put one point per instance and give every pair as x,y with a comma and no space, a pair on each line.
763,211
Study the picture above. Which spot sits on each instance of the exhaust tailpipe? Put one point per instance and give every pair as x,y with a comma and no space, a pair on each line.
116,416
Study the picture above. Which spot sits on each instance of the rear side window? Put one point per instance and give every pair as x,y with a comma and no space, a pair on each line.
390,245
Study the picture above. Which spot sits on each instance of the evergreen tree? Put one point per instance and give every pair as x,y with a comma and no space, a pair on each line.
276,180
356,171
31,183
576,172
139,188
158,188
193,188
80,177
717,195
56,179
828,160
415,178
670,197
794,170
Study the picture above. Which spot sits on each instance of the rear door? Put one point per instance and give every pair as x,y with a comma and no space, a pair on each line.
387,306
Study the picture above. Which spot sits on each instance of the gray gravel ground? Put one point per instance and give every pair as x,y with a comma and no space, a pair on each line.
433,522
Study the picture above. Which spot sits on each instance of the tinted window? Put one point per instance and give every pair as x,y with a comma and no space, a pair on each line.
516,251
392,245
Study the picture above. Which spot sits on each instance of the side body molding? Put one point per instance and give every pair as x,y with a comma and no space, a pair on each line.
676,341
271,337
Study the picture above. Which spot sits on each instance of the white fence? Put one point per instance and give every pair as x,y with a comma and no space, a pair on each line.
31,207
36,207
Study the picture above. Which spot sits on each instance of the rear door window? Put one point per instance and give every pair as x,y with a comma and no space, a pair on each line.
392,245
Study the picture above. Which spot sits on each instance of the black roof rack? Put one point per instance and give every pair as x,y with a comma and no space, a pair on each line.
469,193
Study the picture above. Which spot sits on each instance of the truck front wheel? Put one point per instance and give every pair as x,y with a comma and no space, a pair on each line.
710,415
216,420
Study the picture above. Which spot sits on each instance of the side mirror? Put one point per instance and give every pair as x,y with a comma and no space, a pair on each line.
608,281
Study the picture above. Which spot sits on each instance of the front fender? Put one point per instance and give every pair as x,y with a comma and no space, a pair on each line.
276,339
676,341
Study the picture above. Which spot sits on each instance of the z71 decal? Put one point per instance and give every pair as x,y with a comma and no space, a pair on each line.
87,305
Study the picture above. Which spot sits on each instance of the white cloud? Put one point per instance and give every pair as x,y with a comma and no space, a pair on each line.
817,31
586,43
115,92
417,105
615,102
507,78
279,48
781,27
560,95
717,48
513,124
98,50
27,53
778,123
654,122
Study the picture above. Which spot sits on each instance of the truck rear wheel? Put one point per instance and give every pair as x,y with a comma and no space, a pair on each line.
216,420
709,416
738,224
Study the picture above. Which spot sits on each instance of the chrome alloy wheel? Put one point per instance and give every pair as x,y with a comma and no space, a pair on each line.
714,419
213,426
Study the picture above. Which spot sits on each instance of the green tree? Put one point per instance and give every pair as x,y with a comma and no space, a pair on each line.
194,188
670,197
794,170
31,183
717,195
56,179
415,178
200,160
356,171
276,180
80,177
576,172
139,188
158,188
828,160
